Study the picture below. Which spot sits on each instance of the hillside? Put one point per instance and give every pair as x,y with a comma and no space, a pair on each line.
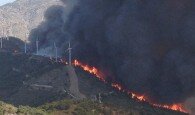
71,107
82,107
30,80
8,109
20,17
12,44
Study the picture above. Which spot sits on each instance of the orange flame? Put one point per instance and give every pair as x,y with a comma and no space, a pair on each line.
91,70
119,87
175,107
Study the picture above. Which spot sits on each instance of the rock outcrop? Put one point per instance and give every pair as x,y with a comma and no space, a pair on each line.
17,19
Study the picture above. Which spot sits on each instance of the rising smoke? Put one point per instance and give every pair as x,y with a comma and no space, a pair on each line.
52,29
147,45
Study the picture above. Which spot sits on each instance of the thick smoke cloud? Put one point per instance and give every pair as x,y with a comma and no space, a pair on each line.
49,31
52,29
147,45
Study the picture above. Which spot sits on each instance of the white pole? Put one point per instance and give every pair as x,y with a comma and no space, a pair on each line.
8,30
2,39
1,42
25,51
56,52
7,33
70,54
37,46
100,98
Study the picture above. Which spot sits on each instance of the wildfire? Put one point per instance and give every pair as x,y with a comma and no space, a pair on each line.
91,70
119,87
175,107
135,96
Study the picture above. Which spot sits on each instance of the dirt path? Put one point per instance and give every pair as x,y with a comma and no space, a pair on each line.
74,88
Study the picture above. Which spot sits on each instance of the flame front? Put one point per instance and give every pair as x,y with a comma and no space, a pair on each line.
119,87
89,69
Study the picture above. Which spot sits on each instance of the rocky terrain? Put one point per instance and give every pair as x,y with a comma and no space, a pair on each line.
20,17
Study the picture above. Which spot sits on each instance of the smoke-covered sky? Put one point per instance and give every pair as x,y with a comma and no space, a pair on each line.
147,45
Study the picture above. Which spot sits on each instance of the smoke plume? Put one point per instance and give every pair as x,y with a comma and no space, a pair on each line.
147,45
52,29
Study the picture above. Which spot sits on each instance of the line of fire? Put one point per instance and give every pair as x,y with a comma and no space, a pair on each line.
98,74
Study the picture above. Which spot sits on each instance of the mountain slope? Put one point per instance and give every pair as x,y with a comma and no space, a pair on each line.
20,17
34,80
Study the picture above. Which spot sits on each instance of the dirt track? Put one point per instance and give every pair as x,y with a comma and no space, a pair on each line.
74,88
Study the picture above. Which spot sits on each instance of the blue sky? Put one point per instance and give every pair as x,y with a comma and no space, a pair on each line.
2,2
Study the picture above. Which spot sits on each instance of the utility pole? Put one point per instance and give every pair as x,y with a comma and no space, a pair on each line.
6,33
37,46
25,47
9,30
1,42
2,38
25,43
56,52
70,54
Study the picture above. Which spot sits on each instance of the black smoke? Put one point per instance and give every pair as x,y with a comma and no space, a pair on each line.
50,31
147,45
